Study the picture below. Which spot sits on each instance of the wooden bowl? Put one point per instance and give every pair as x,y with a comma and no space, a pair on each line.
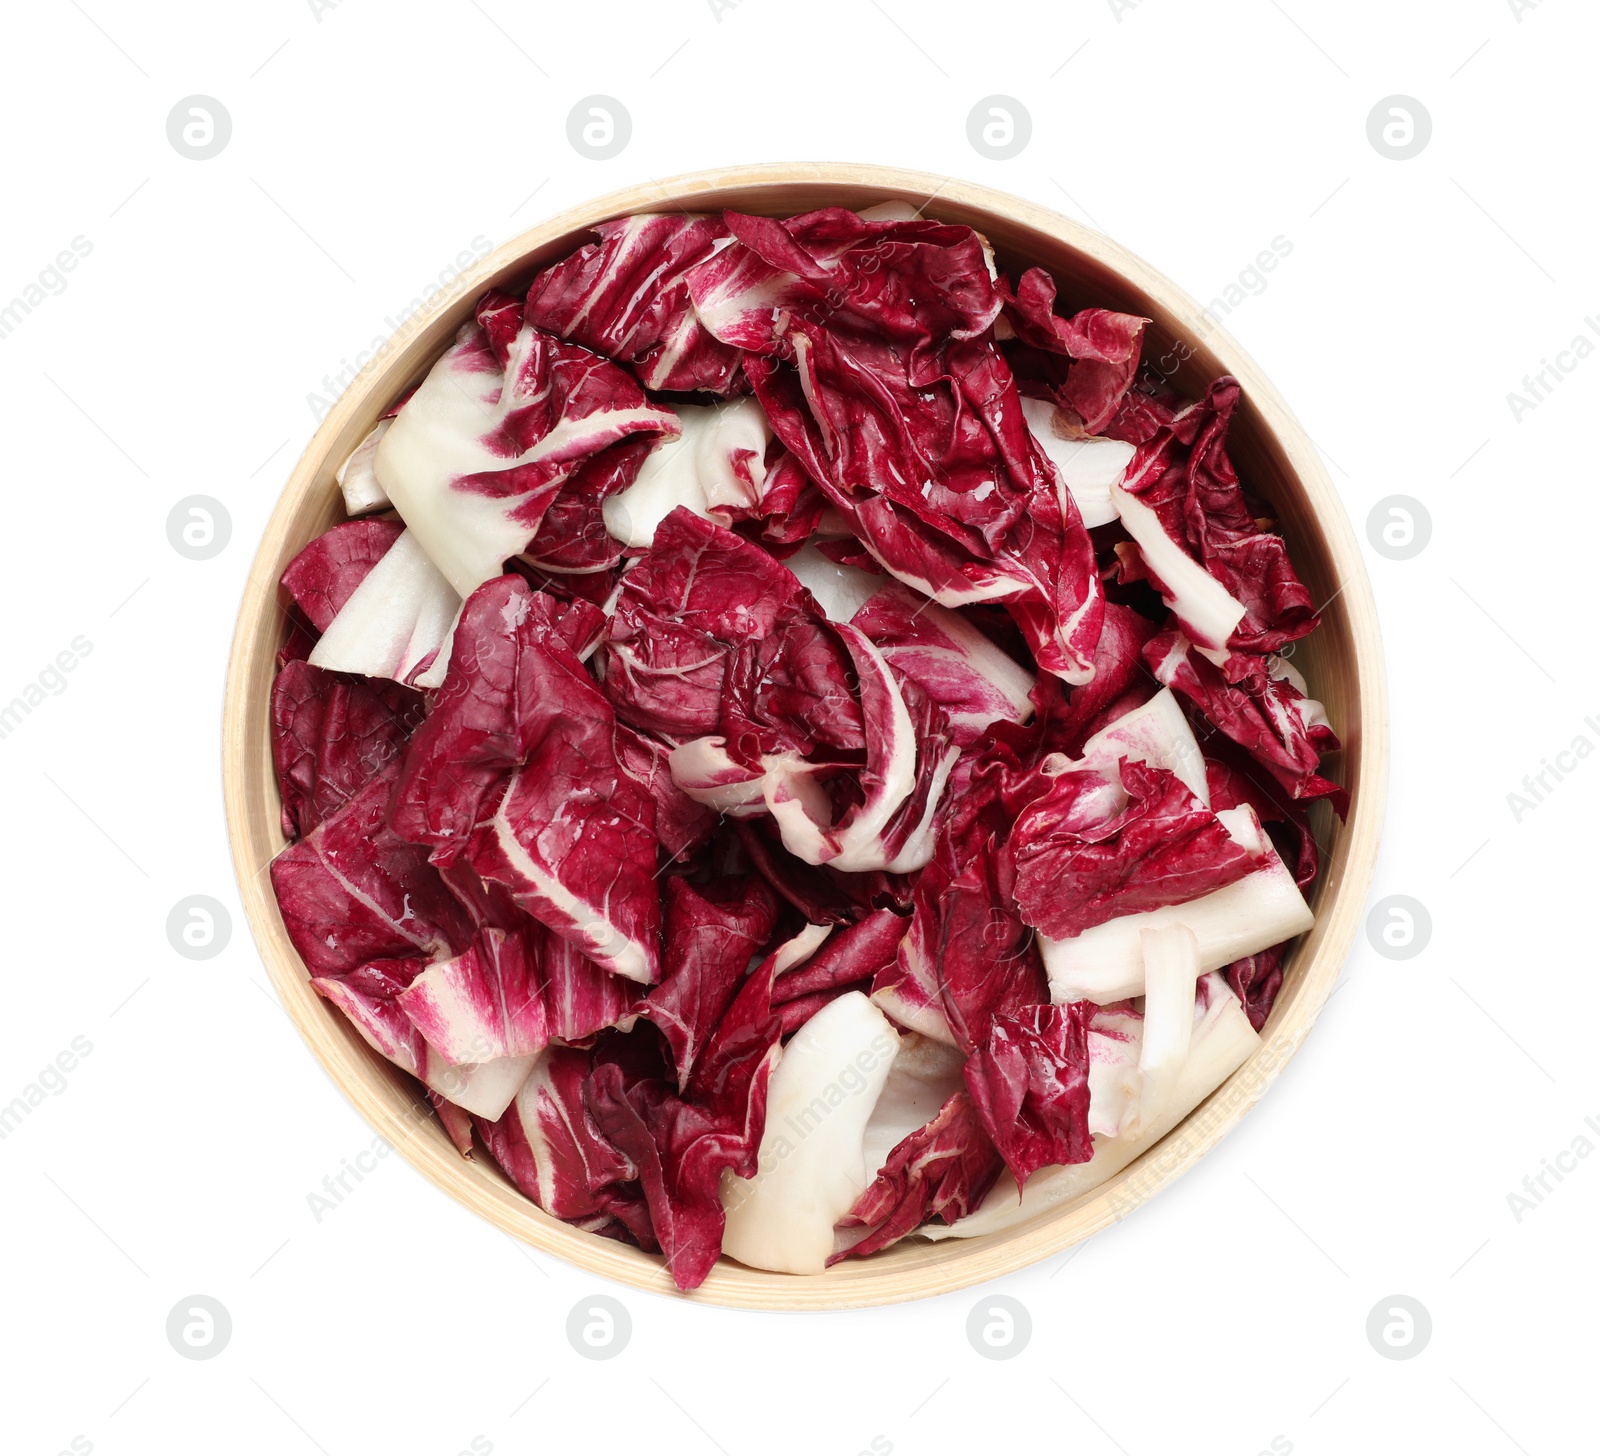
1342,659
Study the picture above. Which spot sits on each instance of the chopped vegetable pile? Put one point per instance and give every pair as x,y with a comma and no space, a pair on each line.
795,746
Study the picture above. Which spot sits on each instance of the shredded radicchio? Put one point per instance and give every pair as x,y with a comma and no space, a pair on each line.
726,735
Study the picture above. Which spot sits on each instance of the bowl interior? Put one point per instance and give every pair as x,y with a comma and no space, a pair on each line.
1342,661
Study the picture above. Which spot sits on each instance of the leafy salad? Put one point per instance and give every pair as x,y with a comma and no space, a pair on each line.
795,746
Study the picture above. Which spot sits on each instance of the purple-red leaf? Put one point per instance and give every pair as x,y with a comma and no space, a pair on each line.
1266,715
677,1150
504,422
1184,475
1029,1081
569,833
625,296
682,825
970,678
510,994
1084,855
331,733
1121,682
711,935
321,578
940,1171
1256,981
868,353
511,668
353,891
856,952
1104,347
548,1144
694,597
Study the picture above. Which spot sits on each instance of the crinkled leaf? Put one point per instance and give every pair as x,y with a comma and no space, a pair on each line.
625,296
512,669
858,951
548,1144
1184,475
941,1171
330,734
353,891
1029,1080
491,438
1256,981
1083,856
682,825
321,578
692,599
678,1152
868,357
1261,713
711,933
511,993
1104,347
970,678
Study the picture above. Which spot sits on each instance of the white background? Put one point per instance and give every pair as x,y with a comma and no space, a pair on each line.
370,145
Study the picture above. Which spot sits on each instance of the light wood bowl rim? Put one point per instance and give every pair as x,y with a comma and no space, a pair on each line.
913,1269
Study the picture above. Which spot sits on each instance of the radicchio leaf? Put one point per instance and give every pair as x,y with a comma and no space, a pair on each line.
1121,681
396,622
858,951
510,994
321,578
967,953
330,735
1104,345
678,1151
679,1144
1183,475
913,281
1236,780
716,468
485,446
941,1171
369,997
790,505
682,825
572,538
698,592
512,664
821,894
1083,856
1267,716
792,689
574,841
1029,1082
353,891
456,1121
711,935
548,1144
569,832
1024,546
625,296
813,719
868,358
955,664
730,1074
983,956
1256,981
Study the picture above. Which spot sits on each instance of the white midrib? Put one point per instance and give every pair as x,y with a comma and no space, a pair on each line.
631,962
